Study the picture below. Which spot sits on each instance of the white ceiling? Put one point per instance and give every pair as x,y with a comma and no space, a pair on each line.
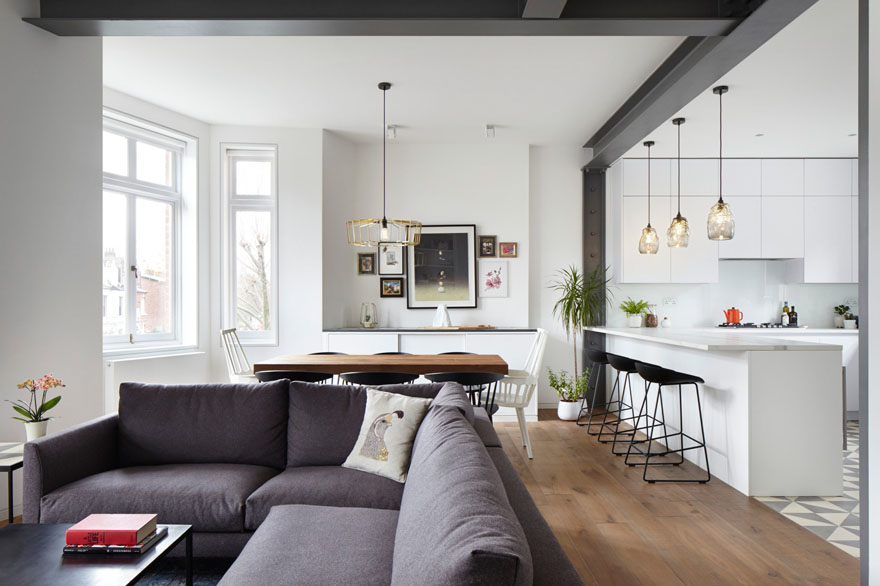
800,90
538,90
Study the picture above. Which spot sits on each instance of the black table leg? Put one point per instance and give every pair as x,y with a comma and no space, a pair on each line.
9,493
189,558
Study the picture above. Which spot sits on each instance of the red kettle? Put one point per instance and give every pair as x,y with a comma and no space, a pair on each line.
733,315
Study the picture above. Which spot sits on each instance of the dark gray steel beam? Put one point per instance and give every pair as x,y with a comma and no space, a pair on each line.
543,8
689,71
92,27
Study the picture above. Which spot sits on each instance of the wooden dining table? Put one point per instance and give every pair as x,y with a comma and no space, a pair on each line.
408,363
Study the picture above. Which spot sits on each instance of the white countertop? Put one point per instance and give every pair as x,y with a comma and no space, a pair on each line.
720,340
783,332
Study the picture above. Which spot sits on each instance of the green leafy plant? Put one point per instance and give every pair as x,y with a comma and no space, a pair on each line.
849,316
630,307
568,388
581,303
35,409
841,309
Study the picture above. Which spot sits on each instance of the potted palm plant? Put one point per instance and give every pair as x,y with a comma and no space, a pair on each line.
582,298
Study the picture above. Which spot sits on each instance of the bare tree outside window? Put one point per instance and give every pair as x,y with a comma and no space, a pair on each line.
254,263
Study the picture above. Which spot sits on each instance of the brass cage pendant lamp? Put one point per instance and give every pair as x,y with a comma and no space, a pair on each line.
720,224
385,231
678,234
649,243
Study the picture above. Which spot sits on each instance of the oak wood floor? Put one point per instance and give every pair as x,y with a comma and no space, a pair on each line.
619,530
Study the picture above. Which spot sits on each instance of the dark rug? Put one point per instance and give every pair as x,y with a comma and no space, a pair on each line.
171,572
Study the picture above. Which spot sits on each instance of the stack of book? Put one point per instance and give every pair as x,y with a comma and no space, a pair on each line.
103,533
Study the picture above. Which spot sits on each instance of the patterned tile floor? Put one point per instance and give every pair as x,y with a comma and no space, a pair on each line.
836,518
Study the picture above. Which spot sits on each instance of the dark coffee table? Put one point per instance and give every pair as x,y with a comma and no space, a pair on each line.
32,554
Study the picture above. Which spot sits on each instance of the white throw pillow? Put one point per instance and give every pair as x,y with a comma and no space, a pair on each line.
384,445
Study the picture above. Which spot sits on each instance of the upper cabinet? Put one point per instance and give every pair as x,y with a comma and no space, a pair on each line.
784,209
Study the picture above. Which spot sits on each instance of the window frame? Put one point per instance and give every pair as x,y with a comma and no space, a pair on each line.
132,189
234,202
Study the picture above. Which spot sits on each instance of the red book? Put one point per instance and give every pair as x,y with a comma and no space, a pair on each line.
98,529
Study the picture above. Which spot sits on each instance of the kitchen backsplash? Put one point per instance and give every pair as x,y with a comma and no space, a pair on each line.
757,287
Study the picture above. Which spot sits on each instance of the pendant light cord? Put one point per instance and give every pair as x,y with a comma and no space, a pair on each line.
720,148
384,138
649,186
679,169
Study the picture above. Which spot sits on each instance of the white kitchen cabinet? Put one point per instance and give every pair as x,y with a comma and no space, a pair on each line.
782,177
698,263
782,227
854,204
742,177
699,177
826,177
828,244
746,241
644,268
855,176
635,177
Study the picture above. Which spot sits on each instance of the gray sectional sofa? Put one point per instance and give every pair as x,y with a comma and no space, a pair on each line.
256,469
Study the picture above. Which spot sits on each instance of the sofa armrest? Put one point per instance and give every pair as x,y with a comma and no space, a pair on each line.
61,458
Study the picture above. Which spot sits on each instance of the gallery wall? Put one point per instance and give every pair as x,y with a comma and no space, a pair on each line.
50,225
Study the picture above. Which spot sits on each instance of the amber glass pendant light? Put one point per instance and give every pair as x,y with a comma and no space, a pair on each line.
649,243
678,234
720,224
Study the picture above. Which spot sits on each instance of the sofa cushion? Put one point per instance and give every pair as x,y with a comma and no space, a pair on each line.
551,566
181,424
455,524
210,497
317,546
332,486
484,428
325,419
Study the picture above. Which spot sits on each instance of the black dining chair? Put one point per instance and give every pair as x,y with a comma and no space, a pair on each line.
294,375
474,384
377,378
327,354
456,353
391,353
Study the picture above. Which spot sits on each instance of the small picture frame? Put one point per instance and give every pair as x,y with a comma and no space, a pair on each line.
507,249
391,287
392,259
493,278
487,246
366,263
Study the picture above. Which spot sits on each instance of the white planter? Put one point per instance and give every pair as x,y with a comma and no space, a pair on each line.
849,324
568,410
838,321
634,321
35,429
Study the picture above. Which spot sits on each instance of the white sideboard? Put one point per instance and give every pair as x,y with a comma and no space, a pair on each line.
512,344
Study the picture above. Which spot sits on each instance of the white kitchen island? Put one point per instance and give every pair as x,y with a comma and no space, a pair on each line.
772,408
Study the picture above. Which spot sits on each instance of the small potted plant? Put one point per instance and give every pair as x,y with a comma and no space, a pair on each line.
33,412
839,312
634,310
849,321
570,391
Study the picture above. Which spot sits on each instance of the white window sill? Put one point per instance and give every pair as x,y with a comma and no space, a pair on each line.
115,355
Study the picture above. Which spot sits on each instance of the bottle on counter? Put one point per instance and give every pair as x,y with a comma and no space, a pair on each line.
793,317
785,319
785,307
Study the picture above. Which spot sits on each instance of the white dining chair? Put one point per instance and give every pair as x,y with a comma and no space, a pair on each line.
237,364
517,388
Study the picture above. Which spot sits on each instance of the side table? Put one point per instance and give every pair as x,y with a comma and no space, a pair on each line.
11,459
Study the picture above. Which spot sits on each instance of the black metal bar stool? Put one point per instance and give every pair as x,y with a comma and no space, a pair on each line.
598,359
624,366
664,377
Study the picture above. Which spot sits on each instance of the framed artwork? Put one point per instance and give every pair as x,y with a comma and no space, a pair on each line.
366,263
391,287
507,249
443,268
487,246
493,278
392,259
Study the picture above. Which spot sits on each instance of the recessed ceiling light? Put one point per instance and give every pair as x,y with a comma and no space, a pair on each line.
760,134
852,134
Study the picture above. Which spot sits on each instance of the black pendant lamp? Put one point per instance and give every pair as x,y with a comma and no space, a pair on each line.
720,224
649,243
678,234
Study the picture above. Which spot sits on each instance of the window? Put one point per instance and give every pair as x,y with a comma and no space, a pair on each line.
141,285
250,180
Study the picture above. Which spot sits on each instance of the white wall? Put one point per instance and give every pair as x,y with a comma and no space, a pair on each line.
339,191
482,184
555,242
50,218
299,239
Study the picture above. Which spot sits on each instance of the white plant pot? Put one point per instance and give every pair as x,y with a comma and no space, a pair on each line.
838,321
849,324
35,429
568,410
634,321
